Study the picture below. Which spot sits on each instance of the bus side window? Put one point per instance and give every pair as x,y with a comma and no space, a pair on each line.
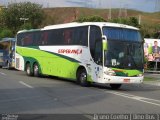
37,38
80,36
83,36
55,37
75,40
25,40
44,38
28,40
67,36
20,41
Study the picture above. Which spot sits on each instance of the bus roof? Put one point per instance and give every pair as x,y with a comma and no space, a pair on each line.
76,24
8,39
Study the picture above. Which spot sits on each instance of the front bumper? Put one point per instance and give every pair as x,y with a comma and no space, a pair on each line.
122,80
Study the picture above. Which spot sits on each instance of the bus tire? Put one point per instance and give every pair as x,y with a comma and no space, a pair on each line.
115,86
36,70
82,77
28,69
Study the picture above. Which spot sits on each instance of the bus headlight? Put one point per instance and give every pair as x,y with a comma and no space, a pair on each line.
110,72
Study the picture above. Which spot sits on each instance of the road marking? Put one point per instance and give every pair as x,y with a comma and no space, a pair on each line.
25,84
138,98
2,73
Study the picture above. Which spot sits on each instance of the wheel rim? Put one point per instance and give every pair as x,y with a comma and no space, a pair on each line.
35,69
83,77
28,70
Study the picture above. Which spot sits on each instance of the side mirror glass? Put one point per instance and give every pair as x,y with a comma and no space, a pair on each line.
104,42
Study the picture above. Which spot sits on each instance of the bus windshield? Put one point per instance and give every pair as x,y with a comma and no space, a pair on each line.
125,49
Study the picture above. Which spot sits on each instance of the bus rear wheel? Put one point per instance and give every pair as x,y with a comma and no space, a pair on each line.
82,78
115,86
36,70
28,69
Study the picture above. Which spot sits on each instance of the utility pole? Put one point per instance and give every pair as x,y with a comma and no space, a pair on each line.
75,13
120,9
100,4
139,19
47,5
110,11
120,12
157,5
125,10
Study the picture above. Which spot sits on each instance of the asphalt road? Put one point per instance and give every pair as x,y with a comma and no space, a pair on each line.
21,94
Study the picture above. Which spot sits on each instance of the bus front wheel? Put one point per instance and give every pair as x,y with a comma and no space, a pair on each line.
28,69
82,78
115,86
36,70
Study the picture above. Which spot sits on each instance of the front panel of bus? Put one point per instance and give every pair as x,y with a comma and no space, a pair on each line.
123,59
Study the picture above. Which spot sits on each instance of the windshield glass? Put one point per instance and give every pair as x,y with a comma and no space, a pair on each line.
122,34
125,49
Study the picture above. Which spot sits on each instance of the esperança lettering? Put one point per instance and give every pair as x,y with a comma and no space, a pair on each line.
70,51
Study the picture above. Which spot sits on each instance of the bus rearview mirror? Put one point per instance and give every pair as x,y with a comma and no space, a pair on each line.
104,41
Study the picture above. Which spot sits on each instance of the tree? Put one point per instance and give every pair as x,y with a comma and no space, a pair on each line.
133,21
1,19
119,20
91,19
26,26
6,33
28,12
156,33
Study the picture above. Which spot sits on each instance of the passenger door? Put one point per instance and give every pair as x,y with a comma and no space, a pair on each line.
95,43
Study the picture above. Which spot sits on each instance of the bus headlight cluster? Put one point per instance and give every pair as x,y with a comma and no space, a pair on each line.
109,71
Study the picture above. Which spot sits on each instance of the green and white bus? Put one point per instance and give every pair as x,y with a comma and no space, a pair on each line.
89,52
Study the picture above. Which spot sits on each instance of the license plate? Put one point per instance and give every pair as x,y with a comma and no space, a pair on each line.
126,80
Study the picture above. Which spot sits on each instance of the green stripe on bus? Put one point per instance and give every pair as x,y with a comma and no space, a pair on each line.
50,63
34,47
65,57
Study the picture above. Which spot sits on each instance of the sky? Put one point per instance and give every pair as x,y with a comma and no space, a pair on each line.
141,5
